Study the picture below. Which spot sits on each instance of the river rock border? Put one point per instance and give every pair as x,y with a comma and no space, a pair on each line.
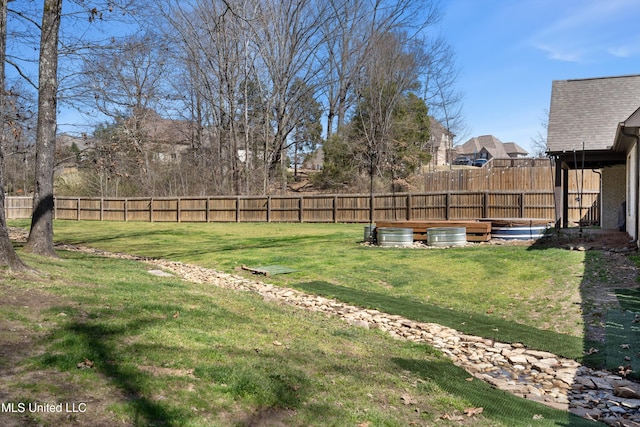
535,375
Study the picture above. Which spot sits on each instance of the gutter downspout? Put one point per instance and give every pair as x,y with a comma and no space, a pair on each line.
637,184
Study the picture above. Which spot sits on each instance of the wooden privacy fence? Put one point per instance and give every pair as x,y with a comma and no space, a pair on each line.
18,207
322,208
508,175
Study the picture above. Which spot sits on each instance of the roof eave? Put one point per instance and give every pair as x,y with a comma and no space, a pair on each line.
589,159
626,137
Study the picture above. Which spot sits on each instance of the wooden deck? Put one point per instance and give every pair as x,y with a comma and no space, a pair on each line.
476,231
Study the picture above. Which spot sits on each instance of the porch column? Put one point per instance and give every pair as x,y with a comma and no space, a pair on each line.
558,195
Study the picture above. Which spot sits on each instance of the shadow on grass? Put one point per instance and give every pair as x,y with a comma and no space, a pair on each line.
623,333
268,381
629,299
619,324
497,405
468,323
90,341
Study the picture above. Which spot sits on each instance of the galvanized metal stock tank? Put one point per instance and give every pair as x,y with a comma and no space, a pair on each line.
447,236
388,236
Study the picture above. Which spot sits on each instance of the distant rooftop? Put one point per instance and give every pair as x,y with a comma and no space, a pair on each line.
491,145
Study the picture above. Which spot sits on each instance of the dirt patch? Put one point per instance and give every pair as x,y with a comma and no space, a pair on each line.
42,397
18,342
588,239
162,371
268,417
610,270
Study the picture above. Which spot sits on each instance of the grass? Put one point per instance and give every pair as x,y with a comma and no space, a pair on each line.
508,293
167,352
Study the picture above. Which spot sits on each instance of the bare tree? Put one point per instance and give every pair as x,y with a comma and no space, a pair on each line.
390,73
253,64
346,46
350,37
539,141
288,38
249,68
8,256
40,239
217,56
128,80
307,133
445,102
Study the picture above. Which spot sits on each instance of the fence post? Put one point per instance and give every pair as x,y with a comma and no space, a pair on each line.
206,212
371,208
151,209
126,210
237,208
485,207
78,209
301,208
335,209
179,216
101,209
268,208
522,210
447,204
409,207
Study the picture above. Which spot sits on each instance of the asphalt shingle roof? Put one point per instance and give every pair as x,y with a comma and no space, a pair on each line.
490,143
589,110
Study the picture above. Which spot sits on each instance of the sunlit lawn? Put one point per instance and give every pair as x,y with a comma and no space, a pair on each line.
512,293
168,352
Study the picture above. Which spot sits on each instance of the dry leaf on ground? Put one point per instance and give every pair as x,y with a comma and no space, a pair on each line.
473,411
451,417
408,400
85,364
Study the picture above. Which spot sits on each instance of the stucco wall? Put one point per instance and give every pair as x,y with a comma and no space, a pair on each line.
614,192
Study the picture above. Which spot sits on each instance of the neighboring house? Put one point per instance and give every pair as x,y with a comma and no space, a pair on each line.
69,151
314,160
514,151
168,138
594,124
440,143
489,147
439,146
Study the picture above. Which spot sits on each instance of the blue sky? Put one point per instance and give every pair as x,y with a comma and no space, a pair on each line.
509,52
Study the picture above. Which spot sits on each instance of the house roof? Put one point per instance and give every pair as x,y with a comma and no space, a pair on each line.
627,132
489,143
513,148
437,130
66,140
588,111
634,120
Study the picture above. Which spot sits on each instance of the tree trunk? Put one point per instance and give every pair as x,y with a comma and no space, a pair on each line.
8,256
41,235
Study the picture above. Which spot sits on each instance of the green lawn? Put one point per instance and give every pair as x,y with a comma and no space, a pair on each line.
510,293
169,352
